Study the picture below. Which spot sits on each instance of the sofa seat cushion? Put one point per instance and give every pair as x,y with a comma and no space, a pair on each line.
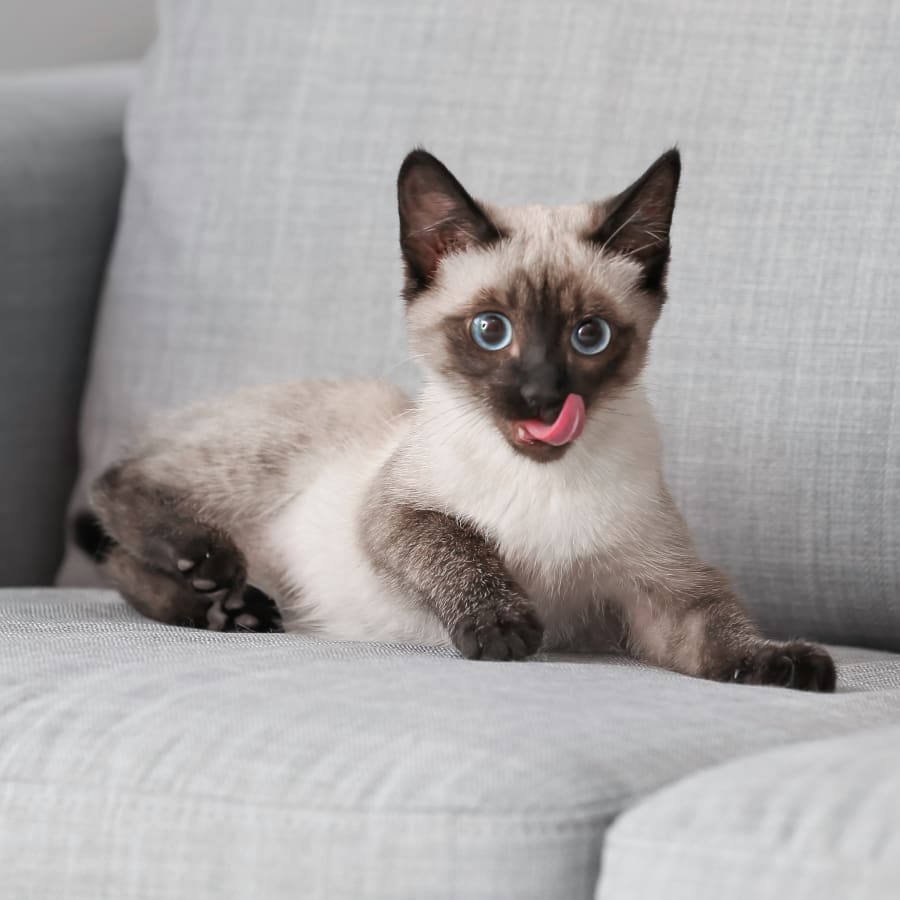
812,821
139,760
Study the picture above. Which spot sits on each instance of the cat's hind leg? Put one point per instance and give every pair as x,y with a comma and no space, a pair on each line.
157,595
174,601
161,526
165,561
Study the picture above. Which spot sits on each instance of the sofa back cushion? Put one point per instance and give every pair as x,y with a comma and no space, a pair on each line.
263,143
61,171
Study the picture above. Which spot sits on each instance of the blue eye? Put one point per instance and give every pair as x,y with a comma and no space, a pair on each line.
591,336
492,331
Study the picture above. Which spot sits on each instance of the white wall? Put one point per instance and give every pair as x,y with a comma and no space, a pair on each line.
36,33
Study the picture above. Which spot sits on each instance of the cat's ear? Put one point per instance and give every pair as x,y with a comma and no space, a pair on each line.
636,223
437,217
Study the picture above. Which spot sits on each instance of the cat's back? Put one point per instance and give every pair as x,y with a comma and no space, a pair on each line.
250,450
298,414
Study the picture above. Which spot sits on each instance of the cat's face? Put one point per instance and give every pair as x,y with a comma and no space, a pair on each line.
542,316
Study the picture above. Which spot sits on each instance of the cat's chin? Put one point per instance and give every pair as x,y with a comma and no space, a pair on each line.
517,437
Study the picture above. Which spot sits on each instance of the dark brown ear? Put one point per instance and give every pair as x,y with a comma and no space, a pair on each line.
636,223
437,217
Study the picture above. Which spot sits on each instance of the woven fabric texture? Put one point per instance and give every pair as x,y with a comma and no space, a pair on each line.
151,761
813,821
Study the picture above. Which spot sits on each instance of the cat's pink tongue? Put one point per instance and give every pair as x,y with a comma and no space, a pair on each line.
568,425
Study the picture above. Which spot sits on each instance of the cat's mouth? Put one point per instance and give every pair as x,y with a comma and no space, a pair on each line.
566,428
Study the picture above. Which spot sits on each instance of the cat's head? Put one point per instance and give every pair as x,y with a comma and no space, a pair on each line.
542,315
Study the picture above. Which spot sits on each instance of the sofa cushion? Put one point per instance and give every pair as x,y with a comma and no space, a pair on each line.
263,143
149,761
813,821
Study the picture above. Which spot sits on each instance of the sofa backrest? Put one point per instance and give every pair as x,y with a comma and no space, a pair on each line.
263,143
61,170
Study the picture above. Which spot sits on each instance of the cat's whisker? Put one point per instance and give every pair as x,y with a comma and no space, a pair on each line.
612,411
456,222
636,250
624,225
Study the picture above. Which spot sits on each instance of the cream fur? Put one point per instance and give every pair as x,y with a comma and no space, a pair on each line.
554,525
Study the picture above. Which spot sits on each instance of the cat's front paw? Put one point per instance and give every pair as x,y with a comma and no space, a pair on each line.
794,664
507,632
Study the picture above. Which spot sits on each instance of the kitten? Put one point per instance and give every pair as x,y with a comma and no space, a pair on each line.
518,503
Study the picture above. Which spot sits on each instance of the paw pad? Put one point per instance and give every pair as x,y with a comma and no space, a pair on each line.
249,610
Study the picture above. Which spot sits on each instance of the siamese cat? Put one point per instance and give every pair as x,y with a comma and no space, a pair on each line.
517,504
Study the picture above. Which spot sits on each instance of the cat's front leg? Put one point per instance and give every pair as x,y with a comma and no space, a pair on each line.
684,616
447,565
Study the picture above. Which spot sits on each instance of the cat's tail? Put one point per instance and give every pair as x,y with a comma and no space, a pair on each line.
90,537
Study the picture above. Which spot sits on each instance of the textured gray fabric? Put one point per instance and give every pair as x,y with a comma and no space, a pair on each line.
816,821
149,761
260,221
61,169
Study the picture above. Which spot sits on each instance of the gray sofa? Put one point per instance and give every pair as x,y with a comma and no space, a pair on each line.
140,761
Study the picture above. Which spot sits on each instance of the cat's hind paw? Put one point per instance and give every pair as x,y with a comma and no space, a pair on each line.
209,563
247,610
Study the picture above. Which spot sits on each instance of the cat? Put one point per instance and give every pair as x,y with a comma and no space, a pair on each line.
518,504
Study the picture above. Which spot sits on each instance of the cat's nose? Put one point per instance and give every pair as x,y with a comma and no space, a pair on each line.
544,399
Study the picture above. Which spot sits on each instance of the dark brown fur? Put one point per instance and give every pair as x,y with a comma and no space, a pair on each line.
536,382
455,570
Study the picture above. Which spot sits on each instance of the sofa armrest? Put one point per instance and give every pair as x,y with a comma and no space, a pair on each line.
61,168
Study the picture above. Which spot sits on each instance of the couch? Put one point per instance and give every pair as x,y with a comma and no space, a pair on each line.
210,218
